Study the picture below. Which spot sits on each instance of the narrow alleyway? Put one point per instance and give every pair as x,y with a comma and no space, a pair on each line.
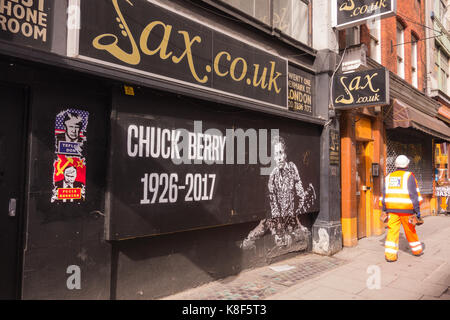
357,273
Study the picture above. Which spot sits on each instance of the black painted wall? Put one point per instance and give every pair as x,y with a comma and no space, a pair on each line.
60,235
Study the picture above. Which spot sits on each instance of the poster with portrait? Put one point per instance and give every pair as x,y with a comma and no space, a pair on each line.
69,179
70,131
69,175
178,168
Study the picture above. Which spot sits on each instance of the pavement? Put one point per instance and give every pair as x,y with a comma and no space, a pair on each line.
354,273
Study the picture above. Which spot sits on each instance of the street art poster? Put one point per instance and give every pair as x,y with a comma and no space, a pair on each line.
69,177
174,169
70,131
289,198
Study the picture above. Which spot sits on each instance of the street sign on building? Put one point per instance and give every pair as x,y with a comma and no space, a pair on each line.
349,13
361,89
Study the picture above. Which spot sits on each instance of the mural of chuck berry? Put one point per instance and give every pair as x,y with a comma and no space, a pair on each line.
288,199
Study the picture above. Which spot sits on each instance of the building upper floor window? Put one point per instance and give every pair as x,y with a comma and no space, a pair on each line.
400,50
352,36
374,26
442,69
414,72
258,9
291,17
441,10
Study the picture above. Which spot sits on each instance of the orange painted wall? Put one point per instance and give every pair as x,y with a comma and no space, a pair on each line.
348,186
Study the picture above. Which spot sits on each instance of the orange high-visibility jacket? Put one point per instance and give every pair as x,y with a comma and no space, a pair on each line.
401,193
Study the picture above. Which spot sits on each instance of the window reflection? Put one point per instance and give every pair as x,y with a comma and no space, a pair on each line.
291,17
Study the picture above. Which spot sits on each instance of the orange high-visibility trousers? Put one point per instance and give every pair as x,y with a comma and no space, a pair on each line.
391,244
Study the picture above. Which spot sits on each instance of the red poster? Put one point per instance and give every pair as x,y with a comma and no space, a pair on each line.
69,178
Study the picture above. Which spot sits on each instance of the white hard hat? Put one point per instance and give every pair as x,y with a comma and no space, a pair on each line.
402,161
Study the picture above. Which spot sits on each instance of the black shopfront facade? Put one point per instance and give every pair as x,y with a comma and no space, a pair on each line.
139,151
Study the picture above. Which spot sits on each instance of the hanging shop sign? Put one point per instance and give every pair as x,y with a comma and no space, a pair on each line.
27,22
143,37
175,169
300,86
349,13
361,89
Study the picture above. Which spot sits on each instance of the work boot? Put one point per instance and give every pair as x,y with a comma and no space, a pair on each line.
390,257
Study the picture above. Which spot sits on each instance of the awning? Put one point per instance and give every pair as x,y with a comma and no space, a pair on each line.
445,112
404,116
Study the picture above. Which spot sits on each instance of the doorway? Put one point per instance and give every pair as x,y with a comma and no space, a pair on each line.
12,186
361,188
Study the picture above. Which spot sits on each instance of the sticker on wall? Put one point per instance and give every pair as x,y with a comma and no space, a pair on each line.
70,131
69,177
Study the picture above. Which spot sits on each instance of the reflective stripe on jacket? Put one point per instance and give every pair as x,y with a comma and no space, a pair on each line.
401,194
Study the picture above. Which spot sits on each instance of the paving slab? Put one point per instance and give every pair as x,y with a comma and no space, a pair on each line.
365,274
440,276
388,293
345,276
425,297
326,293
294,293
445,297
419,287
351,286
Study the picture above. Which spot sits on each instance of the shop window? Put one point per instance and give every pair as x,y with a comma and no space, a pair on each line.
441,164
291,17
418,148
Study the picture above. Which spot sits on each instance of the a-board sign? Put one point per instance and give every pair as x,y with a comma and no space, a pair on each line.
361,89
349,13
179,164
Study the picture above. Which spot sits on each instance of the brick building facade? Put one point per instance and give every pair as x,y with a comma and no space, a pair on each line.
407,125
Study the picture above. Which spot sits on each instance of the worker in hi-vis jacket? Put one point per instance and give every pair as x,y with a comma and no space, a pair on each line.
401,205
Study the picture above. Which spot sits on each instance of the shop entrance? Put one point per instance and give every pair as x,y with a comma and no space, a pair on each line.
12,175
362,187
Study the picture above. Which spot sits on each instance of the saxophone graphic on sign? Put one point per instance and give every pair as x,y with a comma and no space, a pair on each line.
341,98
132,58
347,6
